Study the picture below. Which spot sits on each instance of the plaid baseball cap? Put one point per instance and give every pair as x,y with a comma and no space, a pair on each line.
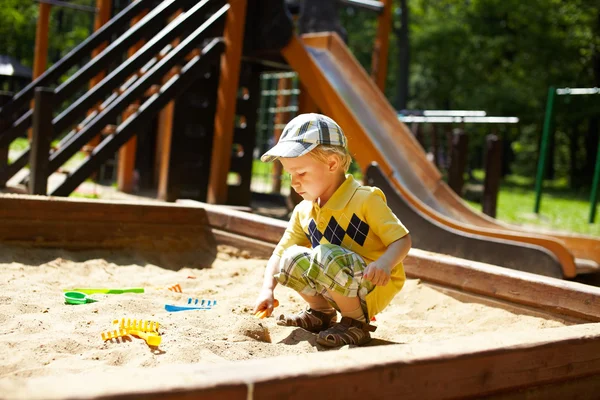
303,133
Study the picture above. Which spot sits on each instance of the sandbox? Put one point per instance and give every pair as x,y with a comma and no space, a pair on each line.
457,329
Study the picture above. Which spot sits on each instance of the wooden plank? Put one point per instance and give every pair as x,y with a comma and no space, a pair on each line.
75,235
553,295
51,210
253,247
585,388
226,102
379,59
474,366
454,372
266,229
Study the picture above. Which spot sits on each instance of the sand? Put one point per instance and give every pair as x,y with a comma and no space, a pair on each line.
42,337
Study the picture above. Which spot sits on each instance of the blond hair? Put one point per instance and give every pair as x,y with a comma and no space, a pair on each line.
323,151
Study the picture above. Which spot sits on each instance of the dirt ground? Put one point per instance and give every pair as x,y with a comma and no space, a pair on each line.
43,337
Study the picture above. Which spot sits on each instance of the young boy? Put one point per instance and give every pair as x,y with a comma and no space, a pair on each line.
358,244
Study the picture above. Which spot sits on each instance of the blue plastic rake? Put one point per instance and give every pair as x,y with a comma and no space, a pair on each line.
198,304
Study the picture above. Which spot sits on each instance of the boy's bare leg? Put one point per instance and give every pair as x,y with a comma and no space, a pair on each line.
316,318
349,306
317,302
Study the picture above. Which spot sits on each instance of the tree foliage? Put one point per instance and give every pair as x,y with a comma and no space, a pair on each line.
501,56
18,20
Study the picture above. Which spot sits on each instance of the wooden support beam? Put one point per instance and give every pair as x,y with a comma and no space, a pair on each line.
458,160
281,118
4,124
126,165
40,56
104,8
226,102
493,174
40,143
164,135
379,59
163,149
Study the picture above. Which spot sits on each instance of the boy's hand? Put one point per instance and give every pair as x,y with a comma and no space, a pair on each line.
264,302
378,273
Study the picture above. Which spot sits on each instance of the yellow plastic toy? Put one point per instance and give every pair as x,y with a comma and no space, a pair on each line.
114,334
140,325
152,338
147,330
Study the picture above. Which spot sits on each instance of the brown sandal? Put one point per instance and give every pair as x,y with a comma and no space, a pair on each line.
347,331
311,320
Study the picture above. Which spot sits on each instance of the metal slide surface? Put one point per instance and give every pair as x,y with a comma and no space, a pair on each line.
341,88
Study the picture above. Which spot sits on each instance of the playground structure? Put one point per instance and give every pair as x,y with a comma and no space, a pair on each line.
171,77
171,74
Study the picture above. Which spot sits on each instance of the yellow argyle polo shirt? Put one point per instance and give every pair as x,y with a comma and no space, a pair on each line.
357,218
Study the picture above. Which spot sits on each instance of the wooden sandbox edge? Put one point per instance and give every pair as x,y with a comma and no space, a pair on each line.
566,361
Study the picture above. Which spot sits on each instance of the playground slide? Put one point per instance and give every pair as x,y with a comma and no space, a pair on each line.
341,88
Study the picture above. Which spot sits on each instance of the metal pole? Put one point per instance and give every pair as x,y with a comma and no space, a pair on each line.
596,181
544,148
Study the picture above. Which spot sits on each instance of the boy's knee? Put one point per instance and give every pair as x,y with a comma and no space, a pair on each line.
291,258
323,250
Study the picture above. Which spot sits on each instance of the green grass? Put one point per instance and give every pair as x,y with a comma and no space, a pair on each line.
20,144
84,195
561,208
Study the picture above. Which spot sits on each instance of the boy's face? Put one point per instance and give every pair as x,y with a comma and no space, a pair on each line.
313,179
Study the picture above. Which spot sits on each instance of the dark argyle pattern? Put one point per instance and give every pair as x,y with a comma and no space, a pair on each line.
357,230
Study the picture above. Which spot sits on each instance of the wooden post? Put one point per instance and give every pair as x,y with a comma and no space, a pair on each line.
126,164
458,160
379,58
5,97
433,147
104,8
226,102
40,143
164,137
281,118
40,56
306,104
163,149
493,172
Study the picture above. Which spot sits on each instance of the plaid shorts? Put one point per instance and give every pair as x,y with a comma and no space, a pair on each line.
326,267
